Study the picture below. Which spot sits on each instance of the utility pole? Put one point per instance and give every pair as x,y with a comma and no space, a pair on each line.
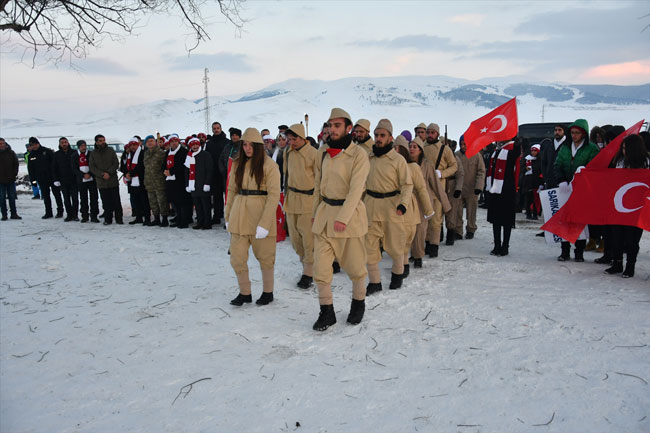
207,103
543,106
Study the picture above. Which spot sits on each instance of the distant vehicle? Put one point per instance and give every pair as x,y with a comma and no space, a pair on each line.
117,145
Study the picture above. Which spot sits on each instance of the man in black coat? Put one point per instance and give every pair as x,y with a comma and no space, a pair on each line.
40,171
549,153
199,172
85,182
64,177
214,146
133,170
8,173
175,182
231,150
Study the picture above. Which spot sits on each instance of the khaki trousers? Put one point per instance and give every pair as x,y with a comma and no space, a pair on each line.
392,238
409,231
351,255
302,238
452,219
435,223
158,202
417,246
263,249
471,204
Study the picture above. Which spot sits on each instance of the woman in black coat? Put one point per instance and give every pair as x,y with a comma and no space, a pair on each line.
501,193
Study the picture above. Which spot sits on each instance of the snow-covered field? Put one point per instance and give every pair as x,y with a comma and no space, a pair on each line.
104,329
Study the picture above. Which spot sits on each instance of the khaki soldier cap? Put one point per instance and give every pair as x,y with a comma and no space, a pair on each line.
385,124
252,135
433,126
419,142
420,125
298,129
338,113
402,141
364,123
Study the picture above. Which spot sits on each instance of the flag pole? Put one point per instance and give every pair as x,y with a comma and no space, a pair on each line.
306,124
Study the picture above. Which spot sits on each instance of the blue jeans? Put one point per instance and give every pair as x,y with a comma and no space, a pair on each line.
8,190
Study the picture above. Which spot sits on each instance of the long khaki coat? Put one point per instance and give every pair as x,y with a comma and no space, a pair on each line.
474,169
448,164
245,212
420,199
299,167
343,178
434,185
388,173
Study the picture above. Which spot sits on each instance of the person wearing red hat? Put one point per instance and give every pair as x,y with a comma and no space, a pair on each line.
133,170
198,173
175,182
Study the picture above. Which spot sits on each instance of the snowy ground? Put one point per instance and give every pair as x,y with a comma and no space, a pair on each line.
103,328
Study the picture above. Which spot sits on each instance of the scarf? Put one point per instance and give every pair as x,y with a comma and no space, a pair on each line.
529,164
170,162
497,171
190,162
381,151
558,143
575,147
337,146
131,163
83,165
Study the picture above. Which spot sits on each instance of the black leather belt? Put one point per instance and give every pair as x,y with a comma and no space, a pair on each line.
252,192
331,202
301,191
382,194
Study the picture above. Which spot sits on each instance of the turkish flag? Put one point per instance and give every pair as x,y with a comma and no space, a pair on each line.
604,196
280,220
605,156
499,124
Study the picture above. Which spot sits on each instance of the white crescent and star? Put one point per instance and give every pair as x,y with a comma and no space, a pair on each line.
504,123
620,194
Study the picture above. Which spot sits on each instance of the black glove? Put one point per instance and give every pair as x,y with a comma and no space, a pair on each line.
456,193
402,208
477,191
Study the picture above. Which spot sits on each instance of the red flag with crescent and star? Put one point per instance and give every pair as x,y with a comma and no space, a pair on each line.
603,196
499,124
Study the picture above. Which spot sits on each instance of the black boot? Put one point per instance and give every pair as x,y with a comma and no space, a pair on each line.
579,250
373,288
305,282
616,268
504,250
59,213
566,251
266,298
165,222
357,309
433,251
241,300
15,216
137,220
629,268
395,281
442,235
469,235
156,220
417,263
48,214
407,271
451,237
604,260
326,318
336,268
459,236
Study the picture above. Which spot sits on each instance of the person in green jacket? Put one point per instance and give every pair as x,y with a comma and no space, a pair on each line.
570,159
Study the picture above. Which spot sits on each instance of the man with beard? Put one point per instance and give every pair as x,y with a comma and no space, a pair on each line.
549,154
362,135
454,189
214,146
103,166
175,182
340,221
64,177
85,183
299,164
445,165
388,194
40,171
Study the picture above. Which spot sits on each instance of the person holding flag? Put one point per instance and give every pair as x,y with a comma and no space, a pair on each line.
569,160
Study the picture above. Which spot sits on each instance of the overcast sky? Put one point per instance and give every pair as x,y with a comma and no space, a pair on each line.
552,41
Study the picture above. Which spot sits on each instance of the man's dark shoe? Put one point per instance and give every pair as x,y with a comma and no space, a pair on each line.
417,263
15,216
395,281
469,235
241,300
357,309
336,268
305,282
326,318
373,288
266,298
407,271
59,214
47,215
94,220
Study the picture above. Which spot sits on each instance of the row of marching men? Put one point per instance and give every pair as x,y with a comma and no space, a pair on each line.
344,202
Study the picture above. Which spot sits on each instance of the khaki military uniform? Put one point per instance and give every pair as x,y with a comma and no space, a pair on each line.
299,167
454,183
436,193
420,207
340,178
474,179
154,180
448,167
367,145
244,213
389,173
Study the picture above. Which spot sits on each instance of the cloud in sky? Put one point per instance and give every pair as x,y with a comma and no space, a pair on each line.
619,70
226,62
474,20
420,42
96,66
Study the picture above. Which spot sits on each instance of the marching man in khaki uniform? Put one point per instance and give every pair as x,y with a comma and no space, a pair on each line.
420,208
299,165
388,197
253,195
362,135
454,188
340,220
444,164
474,181
421,132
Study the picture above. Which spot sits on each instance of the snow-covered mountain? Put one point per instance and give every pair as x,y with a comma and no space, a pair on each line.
407,101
